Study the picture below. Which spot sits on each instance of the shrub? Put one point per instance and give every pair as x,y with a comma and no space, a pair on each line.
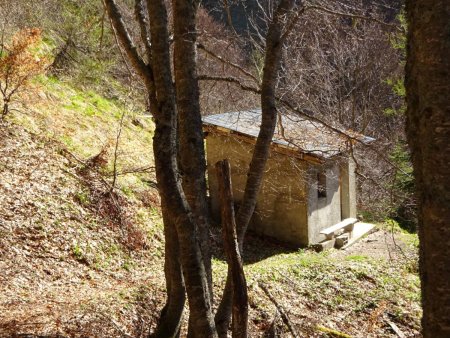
19,63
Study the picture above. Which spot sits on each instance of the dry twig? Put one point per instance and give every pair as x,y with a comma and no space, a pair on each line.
280,309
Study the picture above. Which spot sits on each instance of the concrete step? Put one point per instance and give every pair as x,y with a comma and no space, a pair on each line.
360,230
325,245
342,240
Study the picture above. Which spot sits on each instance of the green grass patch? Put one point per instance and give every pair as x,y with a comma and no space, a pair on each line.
357,258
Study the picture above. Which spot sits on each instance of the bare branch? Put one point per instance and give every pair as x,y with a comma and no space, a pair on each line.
124,37
226,6
137,170
229,79
142,19
304,9
227,62
355,16
292,24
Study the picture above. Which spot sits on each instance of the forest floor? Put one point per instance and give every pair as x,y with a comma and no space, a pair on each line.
78,260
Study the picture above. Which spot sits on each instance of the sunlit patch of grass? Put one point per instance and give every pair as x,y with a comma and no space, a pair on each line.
274,267
411,240
357,258
86,122
355,285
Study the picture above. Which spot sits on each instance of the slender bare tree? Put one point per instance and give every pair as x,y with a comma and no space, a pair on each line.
272,65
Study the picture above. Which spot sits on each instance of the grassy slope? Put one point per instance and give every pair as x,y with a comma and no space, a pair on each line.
67,266
74,272
356,292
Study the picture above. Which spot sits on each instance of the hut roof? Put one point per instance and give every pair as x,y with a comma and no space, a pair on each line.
294,134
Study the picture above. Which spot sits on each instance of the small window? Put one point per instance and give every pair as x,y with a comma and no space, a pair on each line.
321,184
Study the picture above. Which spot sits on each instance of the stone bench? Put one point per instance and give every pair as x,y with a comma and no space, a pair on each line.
345,226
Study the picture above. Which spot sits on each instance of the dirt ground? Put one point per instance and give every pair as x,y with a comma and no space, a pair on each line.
380,243
63,267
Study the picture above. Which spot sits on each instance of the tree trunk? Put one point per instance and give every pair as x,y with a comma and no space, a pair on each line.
272,63
176,210
191,144
144,70
5,110
190,133
238,282
170,320
169,184
428,131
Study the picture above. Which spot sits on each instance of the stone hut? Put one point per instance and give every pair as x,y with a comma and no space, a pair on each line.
309,180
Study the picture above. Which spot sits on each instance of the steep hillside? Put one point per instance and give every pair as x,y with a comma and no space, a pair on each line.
79,259
73,255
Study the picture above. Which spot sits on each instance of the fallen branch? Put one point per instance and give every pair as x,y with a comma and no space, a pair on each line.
88,163
280,309
332,332
272,331
134,171
396,329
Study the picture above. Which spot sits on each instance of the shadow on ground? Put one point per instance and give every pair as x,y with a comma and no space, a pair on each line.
256,247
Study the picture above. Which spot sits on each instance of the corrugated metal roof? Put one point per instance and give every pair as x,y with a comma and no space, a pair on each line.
293,132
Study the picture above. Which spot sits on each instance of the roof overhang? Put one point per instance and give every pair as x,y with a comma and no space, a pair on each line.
317,144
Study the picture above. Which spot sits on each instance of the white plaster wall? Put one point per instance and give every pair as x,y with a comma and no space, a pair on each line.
326,211
348,188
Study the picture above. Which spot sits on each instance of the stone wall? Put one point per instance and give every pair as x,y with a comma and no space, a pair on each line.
281,210
288,207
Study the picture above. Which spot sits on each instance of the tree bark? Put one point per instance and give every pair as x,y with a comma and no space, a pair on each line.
144,70
190,133
191,144
176,209
169,183
428,131
272,63
238,282
4,110
170,320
